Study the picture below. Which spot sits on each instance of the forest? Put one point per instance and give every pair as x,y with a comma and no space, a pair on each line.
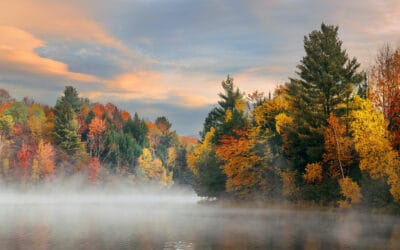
77,137
330,137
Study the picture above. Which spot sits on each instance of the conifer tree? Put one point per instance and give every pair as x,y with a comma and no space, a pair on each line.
65,131
325,84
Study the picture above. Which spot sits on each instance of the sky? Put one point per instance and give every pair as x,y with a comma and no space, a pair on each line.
168,57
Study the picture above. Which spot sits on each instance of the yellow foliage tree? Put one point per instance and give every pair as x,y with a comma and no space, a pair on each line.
171,157
150,169
351,191
35,126
36,122
201,149
281,121
371,138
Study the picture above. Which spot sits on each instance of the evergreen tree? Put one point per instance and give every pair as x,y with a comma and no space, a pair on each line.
229,113
65,131
137,127
327,76
71,97
223,120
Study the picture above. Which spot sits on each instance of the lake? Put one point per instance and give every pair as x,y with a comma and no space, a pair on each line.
177,221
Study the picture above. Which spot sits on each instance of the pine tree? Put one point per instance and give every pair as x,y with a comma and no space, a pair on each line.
65,131
327,76
231,102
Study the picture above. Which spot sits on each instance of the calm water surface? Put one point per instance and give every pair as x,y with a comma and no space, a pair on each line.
131,221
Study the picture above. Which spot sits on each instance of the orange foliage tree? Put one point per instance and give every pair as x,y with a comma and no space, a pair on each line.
338,148
313,173
97,128
45,158
124,115
98,110
242,164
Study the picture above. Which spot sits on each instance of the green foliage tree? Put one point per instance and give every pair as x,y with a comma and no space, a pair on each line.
138,129
232,102
65,131
327,76
209,179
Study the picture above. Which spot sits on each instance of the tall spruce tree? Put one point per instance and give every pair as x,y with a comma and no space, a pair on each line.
326,80
231,99
223,120
66,126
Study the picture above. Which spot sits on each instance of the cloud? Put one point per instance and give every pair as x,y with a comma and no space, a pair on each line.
156,87
57,18
17,54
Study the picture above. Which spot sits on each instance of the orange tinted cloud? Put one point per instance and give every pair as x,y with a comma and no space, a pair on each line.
142,84
59,18
17,53
149,86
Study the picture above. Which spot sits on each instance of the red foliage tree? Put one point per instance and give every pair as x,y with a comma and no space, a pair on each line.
24,158
385,89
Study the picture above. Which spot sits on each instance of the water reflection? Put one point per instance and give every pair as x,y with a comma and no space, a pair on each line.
130,222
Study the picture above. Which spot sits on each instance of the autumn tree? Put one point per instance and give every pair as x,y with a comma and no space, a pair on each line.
96,136
339,153
24,156
6,125
247,163
384,88
151,169
313,173
19,112
351,192
371,138
45,159
36,121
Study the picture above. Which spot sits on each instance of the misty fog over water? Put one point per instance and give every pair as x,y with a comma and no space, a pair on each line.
175,219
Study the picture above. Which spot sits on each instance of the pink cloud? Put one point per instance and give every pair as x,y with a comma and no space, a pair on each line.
60,18
17,54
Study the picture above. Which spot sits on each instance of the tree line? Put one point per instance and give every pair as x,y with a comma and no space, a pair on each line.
329,136
39,143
